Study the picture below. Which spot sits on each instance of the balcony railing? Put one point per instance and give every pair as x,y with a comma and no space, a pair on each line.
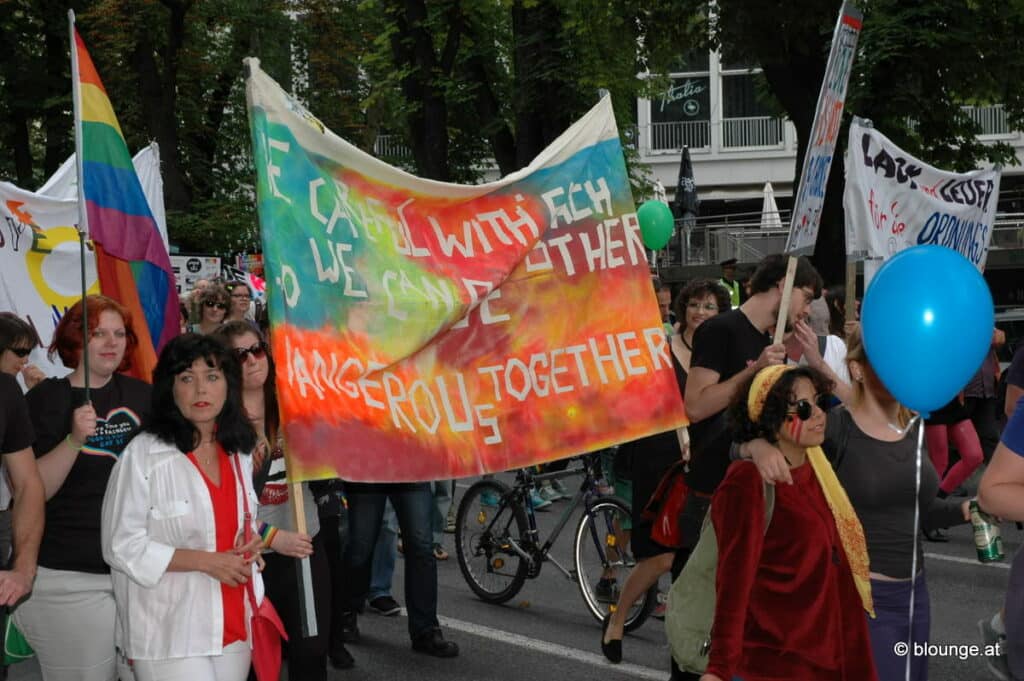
391,148
760,131
675,136
992,119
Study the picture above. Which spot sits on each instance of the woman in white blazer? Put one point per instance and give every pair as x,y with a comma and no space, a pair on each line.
173,523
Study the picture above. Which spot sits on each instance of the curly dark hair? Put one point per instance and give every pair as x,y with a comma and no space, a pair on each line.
773,415
234,432
698,288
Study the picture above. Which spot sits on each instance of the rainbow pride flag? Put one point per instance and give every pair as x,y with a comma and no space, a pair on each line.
131,260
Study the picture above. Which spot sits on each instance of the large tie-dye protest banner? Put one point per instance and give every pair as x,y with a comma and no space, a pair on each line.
425,330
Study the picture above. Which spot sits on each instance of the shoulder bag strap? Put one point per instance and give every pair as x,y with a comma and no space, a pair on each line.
247,523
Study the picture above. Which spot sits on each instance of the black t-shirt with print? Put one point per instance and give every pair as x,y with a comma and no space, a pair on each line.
726,344
71,539
15,428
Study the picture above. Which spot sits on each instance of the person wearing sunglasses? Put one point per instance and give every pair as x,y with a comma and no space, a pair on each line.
791,595
17,340
307,656
871,443
213,304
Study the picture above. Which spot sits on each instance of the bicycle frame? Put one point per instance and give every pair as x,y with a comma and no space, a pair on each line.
585,495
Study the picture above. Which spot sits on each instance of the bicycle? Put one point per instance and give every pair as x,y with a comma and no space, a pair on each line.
499,546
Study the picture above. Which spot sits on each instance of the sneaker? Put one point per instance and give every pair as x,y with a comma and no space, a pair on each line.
659,610
561,489
488,498
385,605
432,643
997,664
537,501
607,590
349,628
549,493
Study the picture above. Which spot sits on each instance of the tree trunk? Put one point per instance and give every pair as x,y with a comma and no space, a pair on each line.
19,142
799,96
58,126
158,95
545,96
413,48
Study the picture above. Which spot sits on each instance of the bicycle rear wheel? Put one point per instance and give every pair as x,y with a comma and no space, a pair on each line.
603,561
487,522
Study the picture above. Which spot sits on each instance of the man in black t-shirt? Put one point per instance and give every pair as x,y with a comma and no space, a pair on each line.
16,438
730,348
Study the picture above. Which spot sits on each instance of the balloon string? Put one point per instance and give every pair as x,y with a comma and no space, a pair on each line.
913,560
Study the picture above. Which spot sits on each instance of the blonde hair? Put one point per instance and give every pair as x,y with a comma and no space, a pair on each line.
855,353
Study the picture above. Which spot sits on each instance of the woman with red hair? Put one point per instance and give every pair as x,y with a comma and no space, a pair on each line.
70,617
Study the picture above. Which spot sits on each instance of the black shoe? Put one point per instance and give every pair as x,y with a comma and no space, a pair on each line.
340,657
937,536
349,628
385,605
432,643
612,649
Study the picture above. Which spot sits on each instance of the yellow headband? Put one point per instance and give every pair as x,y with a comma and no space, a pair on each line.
762,385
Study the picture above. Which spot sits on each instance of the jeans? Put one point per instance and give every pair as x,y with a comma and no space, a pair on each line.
413,504
890,626
443,497
385,553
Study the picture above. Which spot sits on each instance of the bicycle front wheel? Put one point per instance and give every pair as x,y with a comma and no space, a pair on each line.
603,561
487,524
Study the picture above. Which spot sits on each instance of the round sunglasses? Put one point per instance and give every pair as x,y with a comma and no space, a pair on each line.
258,351
804,409
213,303
21,352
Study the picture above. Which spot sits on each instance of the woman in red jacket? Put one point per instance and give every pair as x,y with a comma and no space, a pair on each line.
790,597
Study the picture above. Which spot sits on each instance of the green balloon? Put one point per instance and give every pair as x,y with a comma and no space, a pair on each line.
656,224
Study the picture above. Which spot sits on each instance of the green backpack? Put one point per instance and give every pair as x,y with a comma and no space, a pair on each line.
691,601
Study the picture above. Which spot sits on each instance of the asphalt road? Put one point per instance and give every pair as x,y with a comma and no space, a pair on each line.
545,632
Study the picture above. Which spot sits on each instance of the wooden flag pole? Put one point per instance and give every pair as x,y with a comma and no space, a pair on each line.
307,607
787,294
850,303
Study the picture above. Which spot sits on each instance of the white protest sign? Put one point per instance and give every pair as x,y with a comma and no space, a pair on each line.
894,201
803,230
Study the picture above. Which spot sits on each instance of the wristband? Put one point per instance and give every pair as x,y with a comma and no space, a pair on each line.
74,445
267,532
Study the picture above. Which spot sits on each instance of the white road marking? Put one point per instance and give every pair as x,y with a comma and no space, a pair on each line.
966,561
548,648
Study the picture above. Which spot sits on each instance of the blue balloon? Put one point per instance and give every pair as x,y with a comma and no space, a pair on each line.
927,322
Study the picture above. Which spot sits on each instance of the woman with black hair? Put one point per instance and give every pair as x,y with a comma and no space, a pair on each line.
792,582
173,522
17,340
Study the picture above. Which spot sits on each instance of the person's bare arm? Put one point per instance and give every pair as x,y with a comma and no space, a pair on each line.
55,465
27,519
705,396
1001,490
809,344
1013,395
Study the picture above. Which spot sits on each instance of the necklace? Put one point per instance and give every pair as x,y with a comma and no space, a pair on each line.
206,461
682,337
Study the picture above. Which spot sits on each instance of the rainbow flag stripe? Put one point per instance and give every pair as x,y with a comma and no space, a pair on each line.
132,263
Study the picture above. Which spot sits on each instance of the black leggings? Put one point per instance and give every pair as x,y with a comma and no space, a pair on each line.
307,657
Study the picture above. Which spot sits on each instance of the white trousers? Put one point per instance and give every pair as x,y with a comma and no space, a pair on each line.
231,665
69,621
